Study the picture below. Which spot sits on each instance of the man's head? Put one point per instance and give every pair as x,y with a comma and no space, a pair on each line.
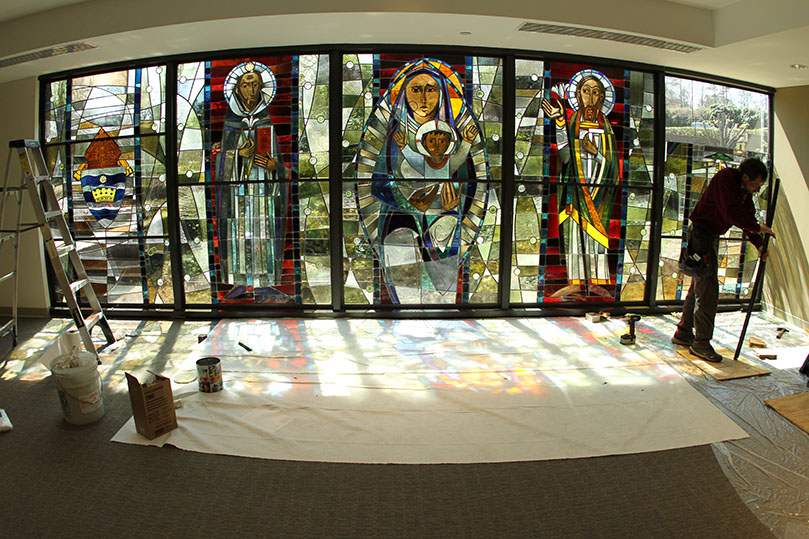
436,143
590,94
754,174
248,90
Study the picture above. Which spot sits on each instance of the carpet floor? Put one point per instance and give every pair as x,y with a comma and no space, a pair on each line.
71,481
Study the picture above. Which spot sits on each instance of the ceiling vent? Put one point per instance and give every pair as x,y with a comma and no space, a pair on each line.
46,53
608,36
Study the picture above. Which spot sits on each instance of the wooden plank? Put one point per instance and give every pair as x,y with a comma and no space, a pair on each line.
794,407
727,369
756,342
766,353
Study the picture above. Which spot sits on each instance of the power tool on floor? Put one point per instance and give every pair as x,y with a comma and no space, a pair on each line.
629,338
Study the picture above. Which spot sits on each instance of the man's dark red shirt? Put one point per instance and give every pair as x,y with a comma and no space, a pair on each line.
723,204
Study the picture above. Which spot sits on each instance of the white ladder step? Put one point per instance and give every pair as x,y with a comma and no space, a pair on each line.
39,179
93,319
65,249
78,285
49,215
5,237
6,327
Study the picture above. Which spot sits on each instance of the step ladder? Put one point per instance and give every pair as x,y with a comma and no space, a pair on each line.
61,250
12,235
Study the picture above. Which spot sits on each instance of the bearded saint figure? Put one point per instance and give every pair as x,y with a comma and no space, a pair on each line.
250,200
586,150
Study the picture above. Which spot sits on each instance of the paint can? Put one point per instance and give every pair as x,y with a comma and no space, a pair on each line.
209,374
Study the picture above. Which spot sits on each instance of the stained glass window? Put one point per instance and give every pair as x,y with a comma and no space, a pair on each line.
708,127
421,185
253,168
105,143
421,163
583,168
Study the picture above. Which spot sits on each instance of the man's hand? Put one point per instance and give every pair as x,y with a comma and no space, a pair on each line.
550,111
449,197
764,229
264,161
248,148
470,132
399,138
589,145
765,255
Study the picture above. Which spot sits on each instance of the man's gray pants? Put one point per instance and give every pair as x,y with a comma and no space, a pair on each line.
699,308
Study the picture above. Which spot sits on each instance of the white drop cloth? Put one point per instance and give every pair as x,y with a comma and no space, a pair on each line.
437,392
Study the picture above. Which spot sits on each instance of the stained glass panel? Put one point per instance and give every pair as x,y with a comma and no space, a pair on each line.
529,145
422,144
55,111
587,134
250,130
405,272
118,103
421,165
109,176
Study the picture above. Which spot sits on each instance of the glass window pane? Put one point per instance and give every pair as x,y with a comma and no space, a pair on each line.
455,260
422,142
586,134
717,115
249,129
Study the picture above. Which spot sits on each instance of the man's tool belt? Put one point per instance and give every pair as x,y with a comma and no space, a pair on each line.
695,256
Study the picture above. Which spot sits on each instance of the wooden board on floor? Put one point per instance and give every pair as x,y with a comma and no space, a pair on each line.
727,369
795,408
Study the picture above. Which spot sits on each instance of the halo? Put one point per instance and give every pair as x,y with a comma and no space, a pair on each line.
609,89
436,125
267,81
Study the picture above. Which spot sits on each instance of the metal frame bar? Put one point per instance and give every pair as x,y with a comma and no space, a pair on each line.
652,269
336,180
173,193
507,183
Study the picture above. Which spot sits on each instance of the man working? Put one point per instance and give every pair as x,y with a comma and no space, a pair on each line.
726,202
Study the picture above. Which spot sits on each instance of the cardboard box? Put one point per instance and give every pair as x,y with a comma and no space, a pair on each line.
152,404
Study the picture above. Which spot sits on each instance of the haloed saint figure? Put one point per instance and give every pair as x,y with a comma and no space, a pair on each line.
587,155
250,200
420,206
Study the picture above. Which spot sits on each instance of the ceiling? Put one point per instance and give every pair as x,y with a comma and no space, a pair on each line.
746,40
705,4
13,9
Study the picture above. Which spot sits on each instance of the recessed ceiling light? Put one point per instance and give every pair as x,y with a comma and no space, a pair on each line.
797,66
466,33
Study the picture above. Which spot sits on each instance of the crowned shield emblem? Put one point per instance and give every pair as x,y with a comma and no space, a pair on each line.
103,178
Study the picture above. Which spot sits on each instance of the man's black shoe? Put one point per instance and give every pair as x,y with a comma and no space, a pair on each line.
705,352
682,338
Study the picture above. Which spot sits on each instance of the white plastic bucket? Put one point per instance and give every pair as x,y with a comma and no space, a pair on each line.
80,390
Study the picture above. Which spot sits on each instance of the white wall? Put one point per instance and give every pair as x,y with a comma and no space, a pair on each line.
18,106
788,270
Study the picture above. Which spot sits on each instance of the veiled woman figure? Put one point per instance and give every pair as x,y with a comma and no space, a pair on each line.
422,182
